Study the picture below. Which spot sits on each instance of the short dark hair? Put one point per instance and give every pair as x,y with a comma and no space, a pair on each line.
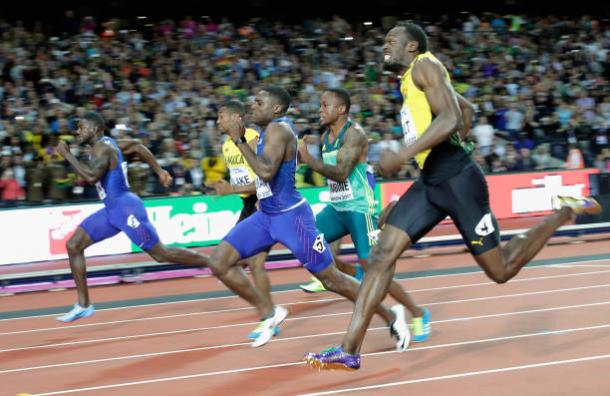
280,94
415,32
343,96
96,119
234,106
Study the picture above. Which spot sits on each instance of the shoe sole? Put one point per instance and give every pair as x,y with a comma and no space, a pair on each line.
595,209
76,318
315,363
312,291
399,309
255,344
253,337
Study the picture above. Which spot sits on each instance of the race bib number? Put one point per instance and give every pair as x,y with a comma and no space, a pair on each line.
100,190
340,191
240,176
485,226
408,126
263,189
318,245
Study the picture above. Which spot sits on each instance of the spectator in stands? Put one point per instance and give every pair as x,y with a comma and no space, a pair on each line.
603,160
389,143
525,162
213,167
519,70
193,173
484,134
11,190
514,120
543,158
575,158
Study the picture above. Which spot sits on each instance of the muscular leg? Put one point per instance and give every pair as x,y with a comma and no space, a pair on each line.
396,291
357,224
465,197
224,264
502,263
259,274
399,294
393,241
177,255
336,281
344,267
76,246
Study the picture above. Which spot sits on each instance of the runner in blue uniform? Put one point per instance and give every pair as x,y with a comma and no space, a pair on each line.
283,216
122,211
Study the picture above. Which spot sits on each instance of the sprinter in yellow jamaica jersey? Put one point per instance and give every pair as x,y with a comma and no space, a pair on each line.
434,119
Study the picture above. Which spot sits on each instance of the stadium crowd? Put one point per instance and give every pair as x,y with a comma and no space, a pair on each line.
540,86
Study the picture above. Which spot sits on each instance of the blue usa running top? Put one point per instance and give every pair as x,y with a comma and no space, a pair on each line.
114,183
280,194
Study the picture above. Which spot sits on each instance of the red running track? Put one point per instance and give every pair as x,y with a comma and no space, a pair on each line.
547,332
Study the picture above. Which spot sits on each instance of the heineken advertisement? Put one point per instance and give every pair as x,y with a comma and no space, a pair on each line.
204,220
194,220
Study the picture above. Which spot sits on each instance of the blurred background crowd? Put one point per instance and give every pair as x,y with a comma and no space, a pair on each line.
540,86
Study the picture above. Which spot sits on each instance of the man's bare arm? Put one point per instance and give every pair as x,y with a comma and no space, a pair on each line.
93,171
347,158
266,165
467,115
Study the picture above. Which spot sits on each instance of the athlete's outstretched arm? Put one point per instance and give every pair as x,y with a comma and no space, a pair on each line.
429,76
133,146
467,114
95,169
277,138
347,158
127,145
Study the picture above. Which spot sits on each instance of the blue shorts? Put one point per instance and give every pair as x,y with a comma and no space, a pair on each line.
125,214
295,229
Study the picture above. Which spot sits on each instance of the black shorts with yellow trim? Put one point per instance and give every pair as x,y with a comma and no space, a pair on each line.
463,197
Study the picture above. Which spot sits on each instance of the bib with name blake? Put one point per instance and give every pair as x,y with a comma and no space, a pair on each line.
240,172
240,176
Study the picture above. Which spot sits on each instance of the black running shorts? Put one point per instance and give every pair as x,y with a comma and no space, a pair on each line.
249,207
463,197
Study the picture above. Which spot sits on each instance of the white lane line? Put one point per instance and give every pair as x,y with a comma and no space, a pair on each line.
199,375
325,300
185,350
582,266
135,336
462,375
477,272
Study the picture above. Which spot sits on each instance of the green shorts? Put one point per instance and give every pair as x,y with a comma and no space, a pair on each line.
336,224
